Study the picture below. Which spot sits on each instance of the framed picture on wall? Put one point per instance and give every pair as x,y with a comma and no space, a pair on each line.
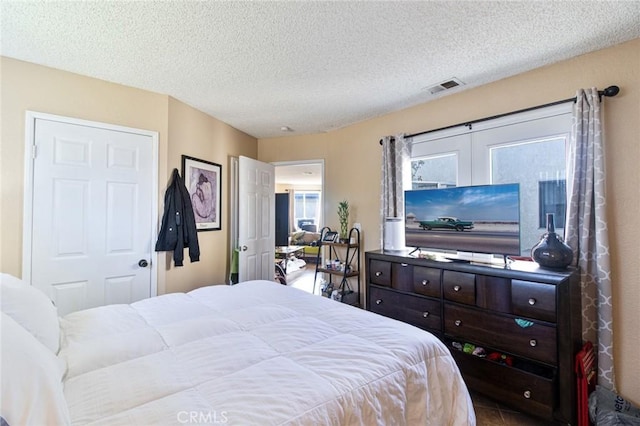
203,180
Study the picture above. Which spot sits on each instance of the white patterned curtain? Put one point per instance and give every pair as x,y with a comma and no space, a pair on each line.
586,228
396,158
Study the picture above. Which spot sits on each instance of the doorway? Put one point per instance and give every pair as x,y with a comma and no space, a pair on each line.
301,184
306,174
304,182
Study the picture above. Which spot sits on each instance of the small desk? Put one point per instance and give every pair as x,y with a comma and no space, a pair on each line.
284,252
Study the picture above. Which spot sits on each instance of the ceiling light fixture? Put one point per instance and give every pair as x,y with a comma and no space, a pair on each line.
286,129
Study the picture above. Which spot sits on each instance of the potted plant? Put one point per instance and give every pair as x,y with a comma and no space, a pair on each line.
343,217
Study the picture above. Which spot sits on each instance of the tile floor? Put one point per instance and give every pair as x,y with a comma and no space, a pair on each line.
488,412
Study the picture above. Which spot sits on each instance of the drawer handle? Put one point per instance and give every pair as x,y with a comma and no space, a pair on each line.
532,301
527,394
378,274
404,265
533,343
458,323
379,301
425,314
425,282
456,288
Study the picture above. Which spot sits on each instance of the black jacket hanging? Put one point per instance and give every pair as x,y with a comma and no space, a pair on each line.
178,228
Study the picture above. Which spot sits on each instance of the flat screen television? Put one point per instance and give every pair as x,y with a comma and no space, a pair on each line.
476,219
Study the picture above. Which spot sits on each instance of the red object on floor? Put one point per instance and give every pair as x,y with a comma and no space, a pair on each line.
586,376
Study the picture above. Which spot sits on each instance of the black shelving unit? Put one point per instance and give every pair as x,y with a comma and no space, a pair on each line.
348,255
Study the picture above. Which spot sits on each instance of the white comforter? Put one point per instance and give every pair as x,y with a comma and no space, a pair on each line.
257,353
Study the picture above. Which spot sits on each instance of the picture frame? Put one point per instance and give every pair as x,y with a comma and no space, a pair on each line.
330,237
203,180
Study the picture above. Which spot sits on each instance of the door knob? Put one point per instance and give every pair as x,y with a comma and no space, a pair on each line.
244,248
143,263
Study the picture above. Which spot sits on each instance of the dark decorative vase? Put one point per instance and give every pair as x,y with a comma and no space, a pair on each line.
551,251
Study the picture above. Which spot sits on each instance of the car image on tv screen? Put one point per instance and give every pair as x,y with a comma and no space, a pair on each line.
480,219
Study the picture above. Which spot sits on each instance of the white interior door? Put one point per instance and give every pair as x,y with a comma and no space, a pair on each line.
256,220
93,213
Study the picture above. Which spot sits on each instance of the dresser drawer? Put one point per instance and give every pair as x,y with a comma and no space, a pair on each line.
524,391
385,302
533,300
415,310
426,281
459,287
380,272
536,341
421,312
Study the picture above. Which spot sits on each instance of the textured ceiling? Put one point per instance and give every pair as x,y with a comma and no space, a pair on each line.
311,66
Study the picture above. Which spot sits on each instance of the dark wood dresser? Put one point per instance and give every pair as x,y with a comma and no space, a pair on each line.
527,315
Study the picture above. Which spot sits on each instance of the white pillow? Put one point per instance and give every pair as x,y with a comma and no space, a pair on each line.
32,309
32,391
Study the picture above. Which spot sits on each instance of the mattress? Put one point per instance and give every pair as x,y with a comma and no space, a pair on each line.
256,353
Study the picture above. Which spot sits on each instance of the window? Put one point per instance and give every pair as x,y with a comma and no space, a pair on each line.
527,148
529,163
306,207
553,196
438,171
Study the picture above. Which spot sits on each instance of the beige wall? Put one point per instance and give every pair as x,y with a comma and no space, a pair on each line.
199,135
352,165
182,130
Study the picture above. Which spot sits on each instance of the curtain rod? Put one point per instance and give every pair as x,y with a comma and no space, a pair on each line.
610,91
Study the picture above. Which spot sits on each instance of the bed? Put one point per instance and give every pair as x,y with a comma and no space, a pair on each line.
256,353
